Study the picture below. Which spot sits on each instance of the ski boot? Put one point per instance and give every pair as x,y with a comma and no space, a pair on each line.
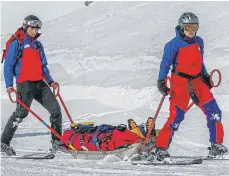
140,157
217,150
7,150
160,155
58,146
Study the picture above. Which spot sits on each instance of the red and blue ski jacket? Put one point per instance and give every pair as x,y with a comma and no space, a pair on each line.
32,66
184,54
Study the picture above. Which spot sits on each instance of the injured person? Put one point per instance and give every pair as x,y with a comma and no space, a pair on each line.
87,137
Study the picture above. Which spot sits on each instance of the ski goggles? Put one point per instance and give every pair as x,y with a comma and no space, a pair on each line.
34,23
191,27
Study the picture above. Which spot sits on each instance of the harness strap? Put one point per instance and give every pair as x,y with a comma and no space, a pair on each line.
103,139
82,138
19,55
184,75
190,87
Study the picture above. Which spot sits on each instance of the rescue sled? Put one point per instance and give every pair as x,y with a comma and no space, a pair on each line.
123,153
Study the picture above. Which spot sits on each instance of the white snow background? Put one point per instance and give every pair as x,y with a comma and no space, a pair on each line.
106,58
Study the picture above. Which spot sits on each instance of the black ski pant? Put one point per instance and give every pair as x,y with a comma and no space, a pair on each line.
41,92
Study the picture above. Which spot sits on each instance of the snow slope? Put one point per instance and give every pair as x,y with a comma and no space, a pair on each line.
106,58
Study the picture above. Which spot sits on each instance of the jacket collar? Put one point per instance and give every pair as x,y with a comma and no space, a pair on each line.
22,35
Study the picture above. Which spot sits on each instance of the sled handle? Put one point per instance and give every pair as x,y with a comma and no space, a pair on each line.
56,90
38,118
220,78
155,117
212,84
166,83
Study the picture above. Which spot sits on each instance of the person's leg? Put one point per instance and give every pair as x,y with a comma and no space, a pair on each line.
209,106
26,95
47,99
179,100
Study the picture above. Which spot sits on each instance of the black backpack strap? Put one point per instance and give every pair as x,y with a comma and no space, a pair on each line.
38,45
19,55
174,61
3,56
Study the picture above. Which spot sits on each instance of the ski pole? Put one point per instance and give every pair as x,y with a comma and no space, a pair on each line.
68,144
154,119
57,94
211,82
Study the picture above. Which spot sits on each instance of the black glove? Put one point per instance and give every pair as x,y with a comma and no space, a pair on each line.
162,87
207,81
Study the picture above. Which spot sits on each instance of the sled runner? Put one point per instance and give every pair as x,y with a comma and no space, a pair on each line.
123,153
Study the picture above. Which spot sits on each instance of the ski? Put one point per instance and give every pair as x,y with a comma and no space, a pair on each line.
215,159
218,158
171,162
223,157
35,156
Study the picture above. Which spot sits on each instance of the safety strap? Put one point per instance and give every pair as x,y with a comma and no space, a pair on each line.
19,55
101,140
184,75
82,138
190,87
